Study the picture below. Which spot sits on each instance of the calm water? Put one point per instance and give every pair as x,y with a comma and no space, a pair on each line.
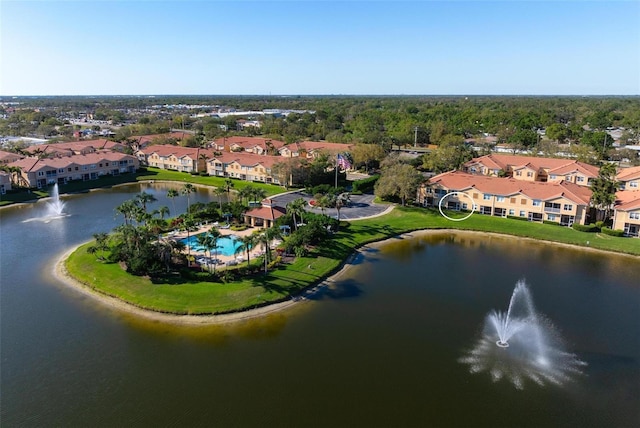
379,348
226,246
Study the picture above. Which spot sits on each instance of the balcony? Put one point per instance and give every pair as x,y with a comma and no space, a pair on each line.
552,210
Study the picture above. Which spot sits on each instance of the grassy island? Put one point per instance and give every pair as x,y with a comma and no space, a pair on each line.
205,298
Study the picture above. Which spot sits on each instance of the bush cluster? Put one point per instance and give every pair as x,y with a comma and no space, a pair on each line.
365,185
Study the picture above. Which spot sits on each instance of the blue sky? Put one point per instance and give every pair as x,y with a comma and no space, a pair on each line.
354,47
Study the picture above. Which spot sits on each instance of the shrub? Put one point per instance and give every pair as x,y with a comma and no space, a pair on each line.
554,223
612,232
364,185
585,228
515,217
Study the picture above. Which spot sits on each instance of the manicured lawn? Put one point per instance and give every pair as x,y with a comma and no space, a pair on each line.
194,297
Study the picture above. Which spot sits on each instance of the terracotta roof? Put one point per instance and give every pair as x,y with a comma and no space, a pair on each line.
319,145
626,174
460,181
554,165
33,164
9,156
266,212
248,142
247,159
165,150
627,200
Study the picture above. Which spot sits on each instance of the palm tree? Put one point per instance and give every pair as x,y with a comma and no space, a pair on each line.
144,198
247,242
342,200
219,191
127,209
265,239
296,207
259,194
188,189
172,194
188,225
228,184
245,193
204,158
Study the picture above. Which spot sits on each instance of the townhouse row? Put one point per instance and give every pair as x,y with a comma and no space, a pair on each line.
564,202
34,172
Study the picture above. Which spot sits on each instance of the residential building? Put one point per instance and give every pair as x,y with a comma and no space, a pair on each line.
529,168
257,145
629,178
313,149
39,173
8,157
564,202
243,166
74,148
5,182
175,158
626,214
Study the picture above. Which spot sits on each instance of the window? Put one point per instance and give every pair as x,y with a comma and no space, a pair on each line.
512,211
553,177
567,207
486,196
567,177
634,216
633,184
529,174
523,213
61,170
551,217
579,179
523,201
68,169
500,198
536,202
512,200
464,206
518,173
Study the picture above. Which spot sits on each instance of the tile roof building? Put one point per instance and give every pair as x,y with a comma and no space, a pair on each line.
626,214
529,168
563,202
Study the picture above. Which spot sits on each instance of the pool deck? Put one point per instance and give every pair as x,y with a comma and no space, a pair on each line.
224,261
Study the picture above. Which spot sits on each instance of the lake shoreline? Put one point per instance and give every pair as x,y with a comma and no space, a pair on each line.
60,272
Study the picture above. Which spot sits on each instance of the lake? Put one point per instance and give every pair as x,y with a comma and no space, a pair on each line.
380,347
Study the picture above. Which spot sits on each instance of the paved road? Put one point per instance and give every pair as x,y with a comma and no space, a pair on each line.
361,206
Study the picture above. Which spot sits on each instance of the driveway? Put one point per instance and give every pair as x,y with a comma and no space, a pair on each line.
361,206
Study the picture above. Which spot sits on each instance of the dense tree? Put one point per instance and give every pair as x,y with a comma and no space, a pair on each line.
604,189
398,181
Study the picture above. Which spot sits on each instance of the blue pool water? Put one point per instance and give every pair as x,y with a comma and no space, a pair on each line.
227,246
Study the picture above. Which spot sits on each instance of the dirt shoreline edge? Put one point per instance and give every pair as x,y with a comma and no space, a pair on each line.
61,274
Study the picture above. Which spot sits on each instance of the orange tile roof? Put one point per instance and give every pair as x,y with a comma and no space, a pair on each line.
627,200
266,212
248,142
626,174
554,165
247,159
460,181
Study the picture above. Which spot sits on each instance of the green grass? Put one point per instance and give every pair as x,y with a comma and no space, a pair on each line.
195,297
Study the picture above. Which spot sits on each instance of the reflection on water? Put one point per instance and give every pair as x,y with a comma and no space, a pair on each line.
379,347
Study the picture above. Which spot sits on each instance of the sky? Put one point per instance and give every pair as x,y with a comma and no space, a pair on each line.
305,47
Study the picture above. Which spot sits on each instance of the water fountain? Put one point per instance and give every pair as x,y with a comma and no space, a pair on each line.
521,344
55,207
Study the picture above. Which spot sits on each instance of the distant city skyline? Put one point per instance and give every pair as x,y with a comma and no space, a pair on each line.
304,47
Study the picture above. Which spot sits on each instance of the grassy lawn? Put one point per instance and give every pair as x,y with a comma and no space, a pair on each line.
193,297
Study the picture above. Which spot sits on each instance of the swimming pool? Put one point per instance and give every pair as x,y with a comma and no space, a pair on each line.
227,245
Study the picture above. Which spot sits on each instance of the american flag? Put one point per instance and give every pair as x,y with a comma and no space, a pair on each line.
343,162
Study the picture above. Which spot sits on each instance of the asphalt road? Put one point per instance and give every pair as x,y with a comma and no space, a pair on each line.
361,206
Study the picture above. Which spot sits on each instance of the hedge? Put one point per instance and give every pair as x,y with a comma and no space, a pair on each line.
613,232
585,228
365,185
